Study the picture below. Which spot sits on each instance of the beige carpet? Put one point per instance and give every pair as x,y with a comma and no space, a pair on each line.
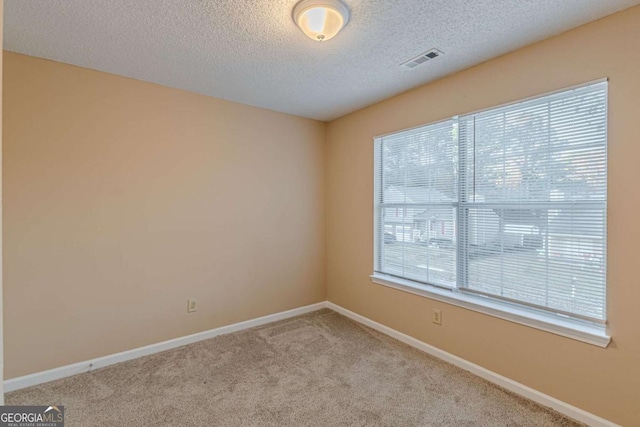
320,369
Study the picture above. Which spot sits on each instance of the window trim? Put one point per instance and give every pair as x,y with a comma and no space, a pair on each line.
574,328
590,333
505,104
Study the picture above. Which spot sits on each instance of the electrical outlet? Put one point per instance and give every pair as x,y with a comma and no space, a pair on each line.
192,306
437,317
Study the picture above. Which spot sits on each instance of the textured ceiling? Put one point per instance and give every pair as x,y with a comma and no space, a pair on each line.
250,51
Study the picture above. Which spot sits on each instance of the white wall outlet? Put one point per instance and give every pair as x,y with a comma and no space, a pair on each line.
437,317
192,306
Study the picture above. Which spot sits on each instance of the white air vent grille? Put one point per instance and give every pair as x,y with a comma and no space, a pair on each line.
422,58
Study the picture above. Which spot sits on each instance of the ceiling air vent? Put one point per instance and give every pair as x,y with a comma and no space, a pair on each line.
422,58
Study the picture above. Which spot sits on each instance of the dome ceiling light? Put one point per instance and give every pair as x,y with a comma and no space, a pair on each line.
321,20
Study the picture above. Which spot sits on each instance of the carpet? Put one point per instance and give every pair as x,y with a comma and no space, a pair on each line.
319,369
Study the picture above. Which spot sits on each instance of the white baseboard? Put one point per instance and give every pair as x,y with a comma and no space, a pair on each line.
89,365
511,385
504,382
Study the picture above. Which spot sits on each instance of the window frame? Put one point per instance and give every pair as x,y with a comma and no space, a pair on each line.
564,324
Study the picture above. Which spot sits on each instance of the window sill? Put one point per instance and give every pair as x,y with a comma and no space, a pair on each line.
577,330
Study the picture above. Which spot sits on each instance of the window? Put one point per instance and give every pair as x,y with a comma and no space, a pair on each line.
506,205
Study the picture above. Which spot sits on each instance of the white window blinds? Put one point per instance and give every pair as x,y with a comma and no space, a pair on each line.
508,203
416,202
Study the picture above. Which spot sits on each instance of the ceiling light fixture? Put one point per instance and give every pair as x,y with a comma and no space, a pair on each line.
321,20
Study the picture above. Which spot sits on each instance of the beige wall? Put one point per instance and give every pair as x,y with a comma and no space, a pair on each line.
1,310
123,199
603,381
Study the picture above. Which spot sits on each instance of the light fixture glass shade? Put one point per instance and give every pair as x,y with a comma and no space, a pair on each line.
320,20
